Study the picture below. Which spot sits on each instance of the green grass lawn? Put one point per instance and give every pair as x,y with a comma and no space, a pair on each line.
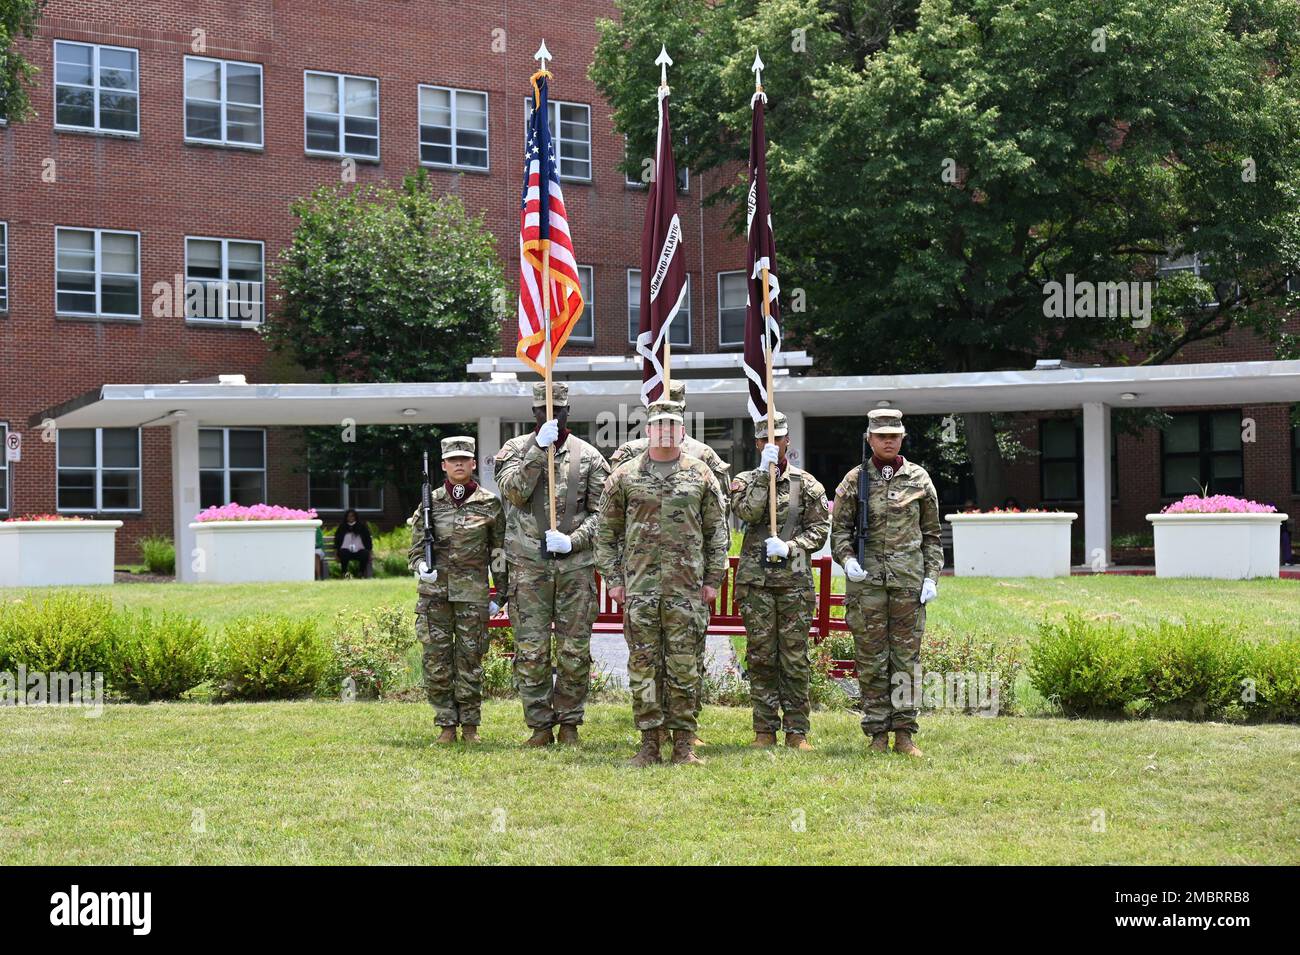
1007,610
360,783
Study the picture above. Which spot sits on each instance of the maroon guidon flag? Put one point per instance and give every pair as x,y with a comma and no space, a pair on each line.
663,272
761,254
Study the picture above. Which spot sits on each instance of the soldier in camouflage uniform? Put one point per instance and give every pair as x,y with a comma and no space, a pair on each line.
720,468
558,590
776,599
661,546
885,597
452,611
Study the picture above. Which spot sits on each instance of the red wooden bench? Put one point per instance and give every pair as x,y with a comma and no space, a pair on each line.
724,619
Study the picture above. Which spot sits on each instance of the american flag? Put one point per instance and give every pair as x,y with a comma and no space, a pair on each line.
537,233
663,269
761,254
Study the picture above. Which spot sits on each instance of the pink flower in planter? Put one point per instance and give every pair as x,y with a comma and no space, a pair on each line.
254,512
1217,504
43,517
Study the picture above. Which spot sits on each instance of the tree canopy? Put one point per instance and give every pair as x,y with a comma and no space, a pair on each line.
17,20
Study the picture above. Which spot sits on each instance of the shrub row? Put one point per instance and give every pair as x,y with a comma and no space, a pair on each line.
146,656
1192,670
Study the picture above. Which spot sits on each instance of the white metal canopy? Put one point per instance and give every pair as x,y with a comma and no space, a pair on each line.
184,407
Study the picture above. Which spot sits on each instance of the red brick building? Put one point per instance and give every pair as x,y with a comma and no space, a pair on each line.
169,142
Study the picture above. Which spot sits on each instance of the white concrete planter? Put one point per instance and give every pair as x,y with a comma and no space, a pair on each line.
1224,546
56,553
241,552
1011,545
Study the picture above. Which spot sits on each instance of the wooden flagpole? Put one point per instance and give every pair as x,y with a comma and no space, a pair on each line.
767,348
663,61
543,54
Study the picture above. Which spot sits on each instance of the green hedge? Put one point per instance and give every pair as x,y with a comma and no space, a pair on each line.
157,657
66,632
1194,670
268,657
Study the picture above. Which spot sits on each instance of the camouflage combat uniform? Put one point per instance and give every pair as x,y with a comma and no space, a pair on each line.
884,612
777,602
451,614
662,538
717,467
547,591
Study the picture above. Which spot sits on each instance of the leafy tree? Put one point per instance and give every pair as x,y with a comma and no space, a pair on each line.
384,284
17,20
934,164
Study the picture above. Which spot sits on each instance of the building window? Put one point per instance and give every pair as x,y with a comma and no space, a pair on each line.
223,102
1060,459
453,128
571,135
341,114
98,469
4,266
634,179
97,273
680,334
96,88
332,491
1225,290
1202,450
733,293
4,470
223,280
232,466
585,328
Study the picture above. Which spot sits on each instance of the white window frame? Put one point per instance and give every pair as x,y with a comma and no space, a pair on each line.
226,469
99,275
4,466
589,310
455,129
339,79
4,267
224,321
99,475
558,141
95,87
345,496
724,343
631,335
223,103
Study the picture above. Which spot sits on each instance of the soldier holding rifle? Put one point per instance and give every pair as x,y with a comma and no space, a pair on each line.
455,533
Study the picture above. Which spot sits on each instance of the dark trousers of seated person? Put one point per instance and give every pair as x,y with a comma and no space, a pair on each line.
362,558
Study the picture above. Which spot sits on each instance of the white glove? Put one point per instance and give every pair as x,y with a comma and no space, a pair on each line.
558,543
425,575
928,590
777,547
548,433
771,455
493,608
854,570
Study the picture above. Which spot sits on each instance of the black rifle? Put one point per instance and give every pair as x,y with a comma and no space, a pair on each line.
426,505
864,503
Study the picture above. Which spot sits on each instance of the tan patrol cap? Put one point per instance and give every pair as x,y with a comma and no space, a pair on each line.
461,446
665,410
677,392
559,394
778,419
885,421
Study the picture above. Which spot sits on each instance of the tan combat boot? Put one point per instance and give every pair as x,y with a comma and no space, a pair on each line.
569,734
763,740
879,743
903,744
649,751
665,735
696,741
683,751
469,733
448,735
541,737
798,741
